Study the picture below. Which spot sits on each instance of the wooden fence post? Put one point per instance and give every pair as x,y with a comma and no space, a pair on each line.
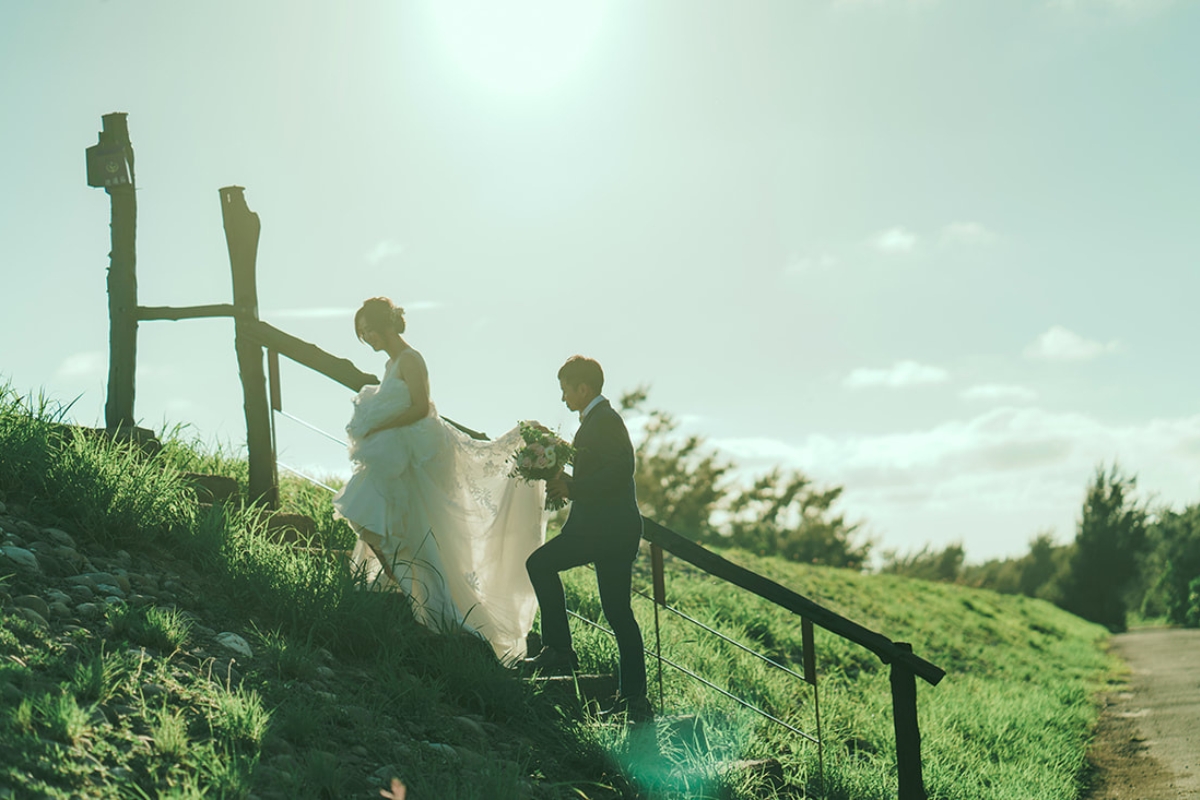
110,165
241,235
908,734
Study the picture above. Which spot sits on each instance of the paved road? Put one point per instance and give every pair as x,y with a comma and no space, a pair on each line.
1148,747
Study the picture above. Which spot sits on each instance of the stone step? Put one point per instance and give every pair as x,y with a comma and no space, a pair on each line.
767,773
583,688
212,488
683,731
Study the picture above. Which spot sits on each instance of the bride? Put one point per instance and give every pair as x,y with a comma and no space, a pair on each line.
436,514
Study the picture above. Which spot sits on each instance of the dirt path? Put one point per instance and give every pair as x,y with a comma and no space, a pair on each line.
1148,744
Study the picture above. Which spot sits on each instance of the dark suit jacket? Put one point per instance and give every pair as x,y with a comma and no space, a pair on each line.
603,498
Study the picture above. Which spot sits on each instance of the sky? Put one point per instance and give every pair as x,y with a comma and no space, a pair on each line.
940,253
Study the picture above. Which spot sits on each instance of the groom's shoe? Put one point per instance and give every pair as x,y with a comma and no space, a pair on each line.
634,709
551,661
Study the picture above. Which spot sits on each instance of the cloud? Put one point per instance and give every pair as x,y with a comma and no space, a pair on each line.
992,480
900,374
808,264
999,392
895,240
1060,344
968,234
384,250
86,364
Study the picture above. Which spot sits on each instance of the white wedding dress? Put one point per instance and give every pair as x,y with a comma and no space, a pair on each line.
441,508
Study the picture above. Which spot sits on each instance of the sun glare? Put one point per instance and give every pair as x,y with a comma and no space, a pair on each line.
519,47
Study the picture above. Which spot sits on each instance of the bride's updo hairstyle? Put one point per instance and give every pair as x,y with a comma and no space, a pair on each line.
378,314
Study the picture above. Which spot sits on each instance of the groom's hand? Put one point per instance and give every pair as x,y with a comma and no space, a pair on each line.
558,488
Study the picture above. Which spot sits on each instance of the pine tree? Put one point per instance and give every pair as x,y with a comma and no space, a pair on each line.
1109,541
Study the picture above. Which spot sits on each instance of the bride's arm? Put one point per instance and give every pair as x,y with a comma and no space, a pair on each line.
411,369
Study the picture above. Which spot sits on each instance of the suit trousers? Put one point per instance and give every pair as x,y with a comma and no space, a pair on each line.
614,577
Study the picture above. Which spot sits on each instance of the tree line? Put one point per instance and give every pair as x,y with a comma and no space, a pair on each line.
1127,555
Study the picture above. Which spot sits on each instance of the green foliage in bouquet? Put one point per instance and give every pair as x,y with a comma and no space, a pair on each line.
543,457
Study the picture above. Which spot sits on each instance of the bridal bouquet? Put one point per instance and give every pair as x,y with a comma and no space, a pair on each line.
542,458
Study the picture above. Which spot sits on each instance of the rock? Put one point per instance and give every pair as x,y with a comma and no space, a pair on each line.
231,641
59,537
212,488
41,548
54,595
223,670
470,758
150,690
89,610
469,726
60,609
445,750
29,615
25,559
33,603
358,716
51,565
385,773
81,593
98,578
110,590
3,508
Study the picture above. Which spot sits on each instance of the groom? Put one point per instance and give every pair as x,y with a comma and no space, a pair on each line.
604,528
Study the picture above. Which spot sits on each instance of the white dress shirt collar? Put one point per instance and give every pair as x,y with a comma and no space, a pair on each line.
597,400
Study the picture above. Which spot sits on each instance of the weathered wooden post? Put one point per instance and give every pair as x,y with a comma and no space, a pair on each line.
908,734
110,165
241,235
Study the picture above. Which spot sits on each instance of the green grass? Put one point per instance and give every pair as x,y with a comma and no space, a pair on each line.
127,709
1010,720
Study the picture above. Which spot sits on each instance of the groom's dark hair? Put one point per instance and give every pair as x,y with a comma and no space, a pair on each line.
579,370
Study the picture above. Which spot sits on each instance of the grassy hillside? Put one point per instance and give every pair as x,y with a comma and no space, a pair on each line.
1010,719
133,694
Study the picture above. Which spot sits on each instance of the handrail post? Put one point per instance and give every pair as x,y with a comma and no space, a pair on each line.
908,734
242,227
660,599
